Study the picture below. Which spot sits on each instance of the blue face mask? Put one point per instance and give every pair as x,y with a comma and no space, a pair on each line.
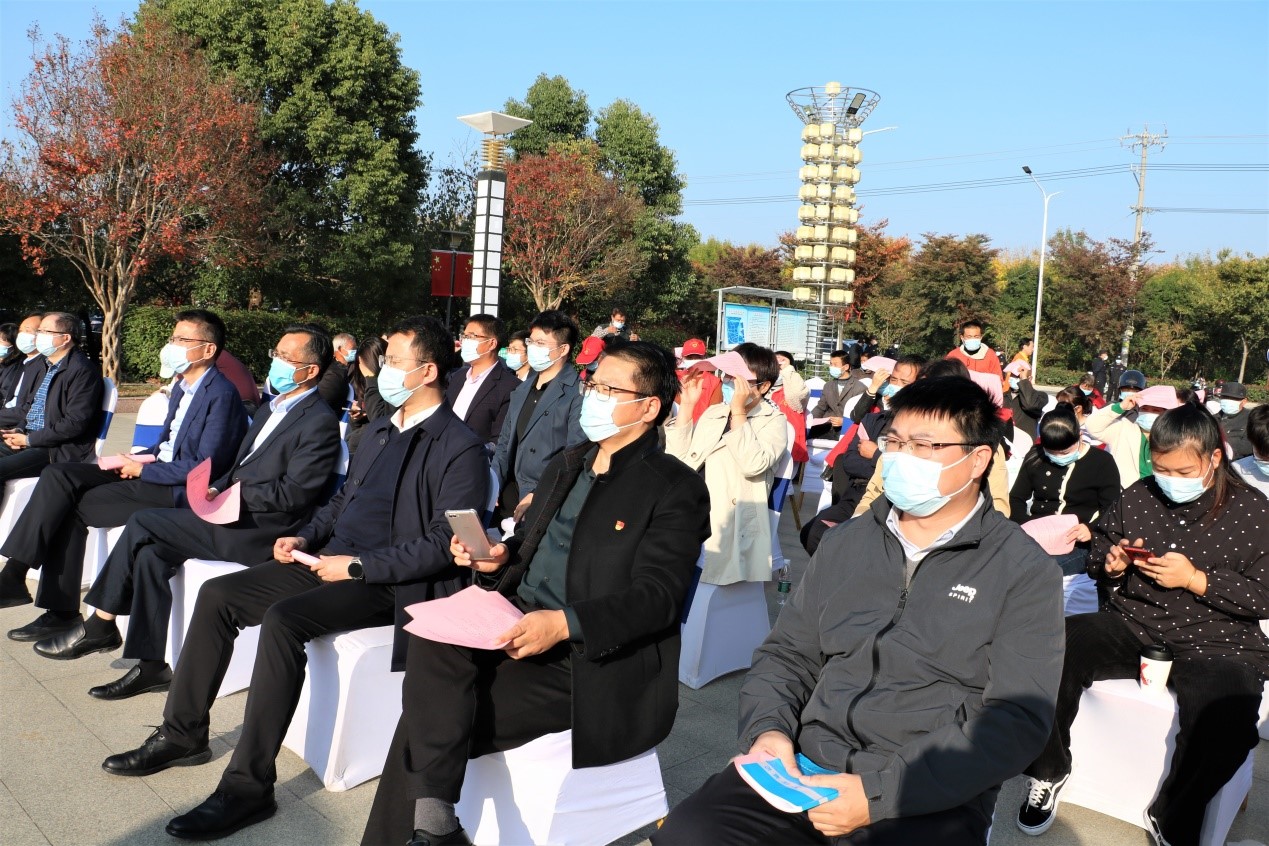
1145,420
350,356
729,390
835,372
5,350
1262,465
1013,383
1230,407
1182,489
971,345
888,390
26,342
1088,392
1063,460
539,358
282,376
392,387
515,361
46,345
912,484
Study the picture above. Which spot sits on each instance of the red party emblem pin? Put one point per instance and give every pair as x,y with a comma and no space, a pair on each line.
621,524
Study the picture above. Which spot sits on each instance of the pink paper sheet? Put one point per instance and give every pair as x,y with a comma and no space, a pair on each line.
114,462
879,362
221,510
304,558
1050,532
472,617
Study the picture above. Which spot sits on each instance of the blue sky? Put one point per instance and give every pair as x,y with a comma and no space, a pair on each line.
976,90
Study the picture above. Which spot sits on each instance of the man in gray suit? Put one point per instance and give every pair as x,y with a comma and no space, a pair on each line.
544,415
284,465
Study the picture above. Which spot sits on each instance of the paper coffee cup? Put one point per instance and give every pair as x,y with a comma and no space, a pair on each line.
1156,664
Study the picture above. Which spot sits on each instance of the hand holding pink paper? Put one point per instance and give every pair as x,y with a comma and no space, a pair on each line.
221,510
473,617
1052,532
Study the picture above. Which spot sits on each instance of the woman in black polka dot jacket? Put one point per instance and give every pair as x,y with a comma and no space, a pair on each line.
1203,592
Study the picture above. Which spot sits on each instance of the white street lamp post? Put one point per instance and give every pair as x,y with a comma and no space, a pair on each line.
1039,289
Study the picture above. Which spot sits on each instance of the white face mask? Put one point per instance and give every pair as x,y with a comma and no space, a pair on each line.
469,350
1213,406
173,360
1230,407
1183,489
912,484
515,361
596,417
971,344
26,342
540,358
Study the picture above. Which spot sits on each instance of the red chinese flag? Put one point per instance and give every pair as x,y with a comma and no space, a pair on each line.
443,265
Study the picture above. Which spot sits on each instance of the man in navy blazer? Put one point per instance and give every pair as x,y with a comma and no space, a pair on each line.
284,468
63,426
544,415
382,543
480,390
205,419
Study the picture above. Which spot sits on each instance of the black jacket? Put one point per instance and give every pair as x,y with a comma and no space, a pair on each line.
1027,405
445,468
334,387
634,551
488,408
72,411
283,481
1235,428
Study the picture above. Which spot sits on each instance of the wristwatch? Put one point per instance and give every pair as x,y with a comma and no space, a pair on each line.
355,570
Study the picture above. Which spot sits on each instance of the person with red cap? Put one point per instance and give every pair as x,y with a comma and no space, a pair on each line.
711,386
588,358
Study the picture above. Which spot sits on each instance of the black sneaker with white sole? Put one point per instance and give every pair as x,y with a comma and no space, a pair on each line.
1037,812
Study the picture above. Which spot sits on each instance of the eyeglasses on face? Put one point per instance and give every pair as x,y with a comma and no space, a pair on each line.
470,336
400,361
606,391
290,361
178,340
921,447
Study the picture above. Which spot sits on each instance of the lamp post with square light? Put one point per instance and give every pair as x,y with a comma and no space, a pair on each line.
1039,288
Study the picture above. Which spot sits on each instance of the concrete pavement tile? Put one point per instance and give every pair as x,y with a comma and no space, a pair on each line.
691,774
678,748
19,828
347,810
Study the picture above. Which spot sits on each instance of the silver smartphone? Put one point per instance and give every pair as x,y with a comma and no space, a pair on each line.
468,529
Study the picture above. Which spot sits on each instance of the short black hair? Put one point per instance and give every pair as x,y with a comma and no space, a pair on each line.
944,367
319,350
761,361
559,325
955,399
616,310
654,371
521,335
785,353
65,322
1258,430
209,322
1076,398
430,341
971,324
839,354
1023,343
36,314
489,324
1059,429
915,361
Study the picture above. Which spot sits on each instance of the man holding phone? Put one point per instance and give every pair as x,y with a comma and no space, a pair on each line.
601,566
381,543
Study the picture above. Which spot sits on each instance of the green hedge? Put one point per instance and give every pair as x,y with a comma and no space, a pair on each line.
250,336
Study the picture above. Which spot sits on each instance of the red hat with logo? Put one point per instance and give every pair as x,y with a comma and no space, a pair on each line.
591,348
694,346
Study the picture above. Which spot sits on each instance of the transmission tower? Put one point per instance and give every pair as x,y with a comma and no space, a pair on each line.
1145,139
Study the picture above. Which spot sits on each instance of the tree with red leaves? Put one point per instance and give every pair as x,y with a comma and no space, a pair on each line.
568,226
130,151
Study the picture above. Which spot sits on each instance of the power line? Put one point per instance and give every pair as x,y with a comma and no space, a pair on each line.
1153,209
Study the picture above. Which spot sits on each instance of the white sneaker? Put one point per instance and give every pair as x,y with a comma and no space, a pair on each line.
1037,812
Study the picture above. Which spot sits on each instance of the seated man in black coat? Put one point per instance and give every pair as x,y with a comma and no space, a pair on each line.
480,391
598,648
284,466
383,544
205,419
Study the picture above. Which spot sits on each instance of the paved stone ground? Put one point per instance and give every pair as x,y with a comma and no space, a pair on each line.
54,736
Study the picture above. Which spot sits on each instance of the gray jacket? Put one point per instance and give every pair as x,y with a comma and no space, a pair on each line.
935,692
554,424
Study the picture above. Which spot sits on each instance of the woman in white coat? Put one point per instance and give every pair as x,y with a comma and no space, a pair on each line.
738,442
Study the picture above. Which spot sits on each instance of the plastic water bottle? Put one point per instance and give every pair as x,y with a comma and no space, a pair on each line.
783,586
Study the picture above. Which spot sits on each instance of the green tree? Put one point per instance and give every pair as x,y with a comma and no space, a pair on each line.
631,150
559,113
950,280
1239,303
338,115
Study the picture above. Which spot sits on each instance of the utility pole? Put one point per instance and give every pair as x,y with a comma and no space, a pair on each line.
1144,140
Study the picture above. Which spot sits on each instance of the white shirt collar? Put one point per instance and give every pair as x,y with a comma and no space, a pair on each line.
414,419
277,405
916,553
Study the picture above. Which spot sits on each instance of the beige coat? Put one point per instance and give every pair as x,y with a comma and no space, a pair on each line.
739,470
1123,440
796,393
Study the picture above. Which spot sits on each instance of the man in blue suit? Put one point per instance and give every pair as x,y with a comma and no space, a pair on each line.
205,419
544,415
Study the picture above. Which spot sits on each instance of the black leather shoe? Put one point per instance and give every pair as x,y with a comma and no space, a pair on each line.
75,643
131,684
156,754
45,625
12,596
457,837
221,815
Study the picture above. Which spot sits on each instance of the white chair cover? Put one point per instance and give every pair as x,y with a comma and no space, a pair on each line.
532,794
193,576
1079,595
1121,744
725,624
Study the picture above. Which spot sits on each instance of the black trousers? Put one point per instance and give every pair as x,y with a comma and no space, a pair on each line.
20,463
154,546
461,703
292,606
1218,701
726,811
53,529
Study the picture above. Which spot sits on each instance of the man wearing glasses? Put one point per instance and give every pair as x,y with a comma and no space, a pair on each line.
480,390
600,565
543,415
205,419
918,660
57,405
381,543
283,468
